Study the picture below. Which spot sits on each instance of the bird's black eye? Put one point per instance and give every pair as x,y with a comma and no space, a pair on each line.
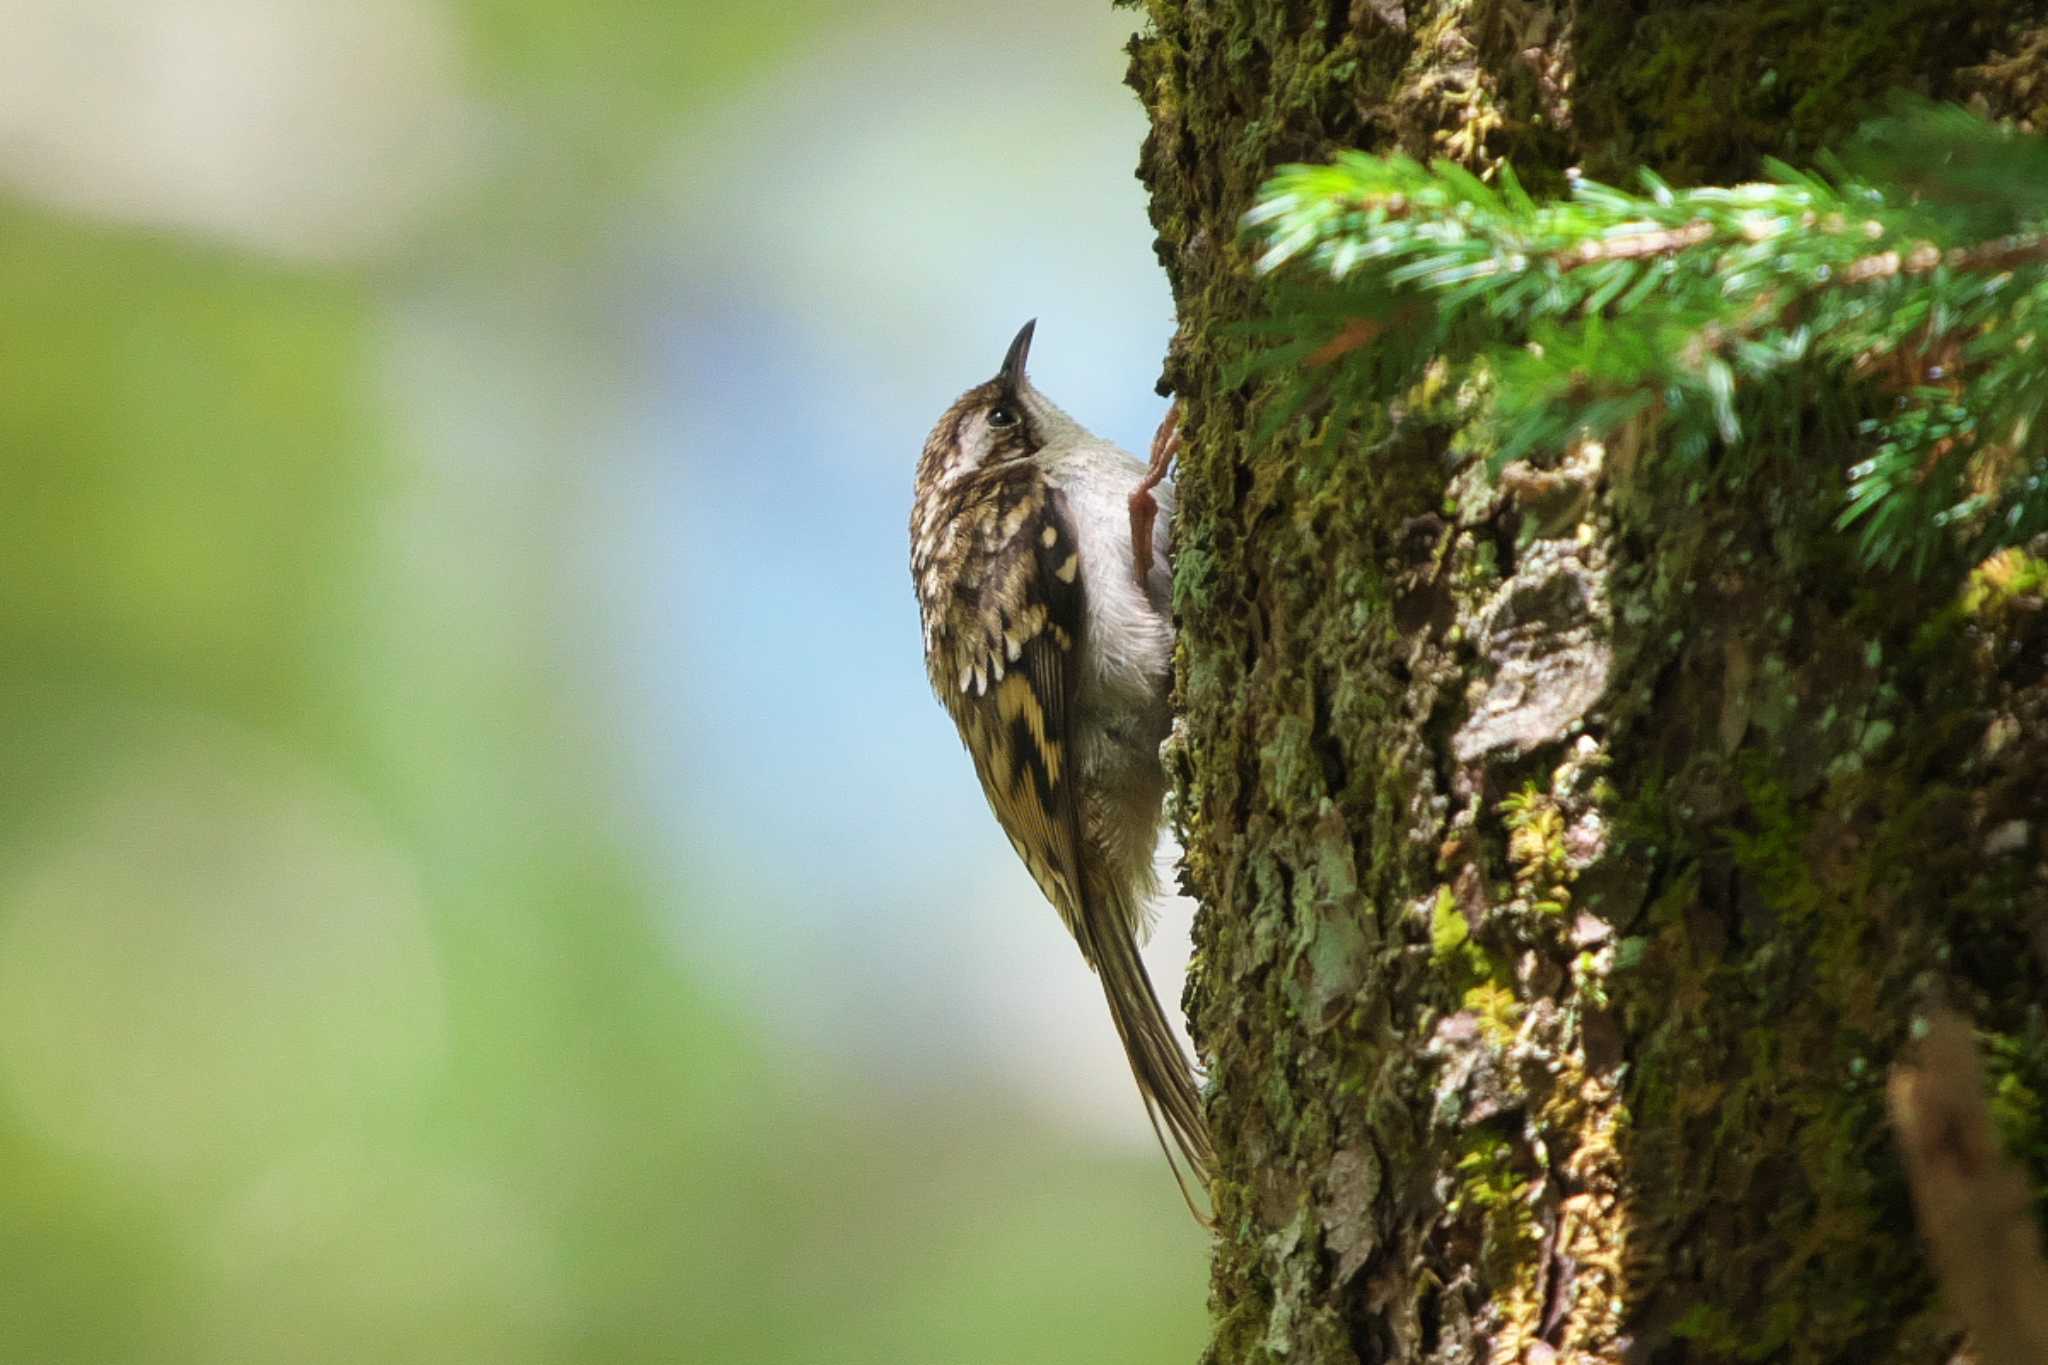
1002,415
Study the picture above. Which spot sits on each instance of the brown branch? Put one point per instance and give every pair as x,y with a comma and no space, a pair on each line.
1358,333
1395,206
1972,1200
1886,265
1633,246
2007,253
1352,336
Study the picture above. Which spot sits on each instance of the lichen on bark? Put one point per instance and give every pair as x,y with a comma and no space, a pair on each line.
1575,848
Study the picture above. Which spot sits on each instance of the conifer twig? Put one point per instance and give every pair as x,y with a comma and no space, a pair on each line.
1904,290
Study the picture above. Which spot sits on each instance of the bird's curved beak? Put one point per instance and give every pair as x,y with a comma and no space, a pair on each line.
1011,375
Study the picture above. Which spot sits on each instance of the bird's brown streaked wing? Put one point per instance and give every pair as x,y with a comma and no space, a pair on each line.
1015,639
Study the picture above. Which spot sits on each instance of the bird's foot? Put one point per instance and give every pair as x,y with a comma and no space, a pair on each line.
1144,507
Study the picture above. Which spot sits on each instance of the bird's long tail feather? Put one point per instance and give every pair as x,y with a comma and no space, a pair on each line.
1166,1078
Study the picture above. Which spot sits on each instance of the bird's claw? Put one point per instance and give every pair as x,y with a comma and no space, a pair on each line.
1144,507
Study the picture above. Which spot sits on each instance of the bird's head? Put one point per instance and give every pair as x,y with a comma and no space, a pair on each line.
997,421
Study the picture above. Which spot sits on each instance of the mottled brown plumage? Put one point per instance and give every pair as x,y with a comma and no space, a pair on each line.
1049,645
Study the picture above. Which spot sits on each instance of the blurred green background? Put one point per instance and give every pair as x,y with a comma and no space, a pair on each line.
481,877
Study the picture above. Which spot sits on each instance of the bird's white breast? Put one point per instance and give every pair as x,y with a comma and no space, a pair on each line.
1127,650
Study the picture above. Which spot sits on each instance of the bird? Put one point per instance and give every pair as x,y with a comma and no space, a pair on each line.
1048,638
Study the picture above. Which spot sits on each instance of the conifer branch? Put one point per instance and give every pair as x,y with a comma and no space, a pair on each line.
1909,279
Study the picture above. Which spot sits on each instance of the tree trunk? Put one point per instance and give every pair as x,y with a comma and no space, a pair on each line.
1575,852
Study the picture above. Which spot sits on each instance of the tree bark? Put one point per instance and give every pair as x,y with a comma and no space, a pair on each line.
1576,850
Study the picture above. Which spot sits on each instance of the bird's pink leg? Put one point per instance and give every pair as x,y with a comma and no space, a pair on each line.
1144,507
